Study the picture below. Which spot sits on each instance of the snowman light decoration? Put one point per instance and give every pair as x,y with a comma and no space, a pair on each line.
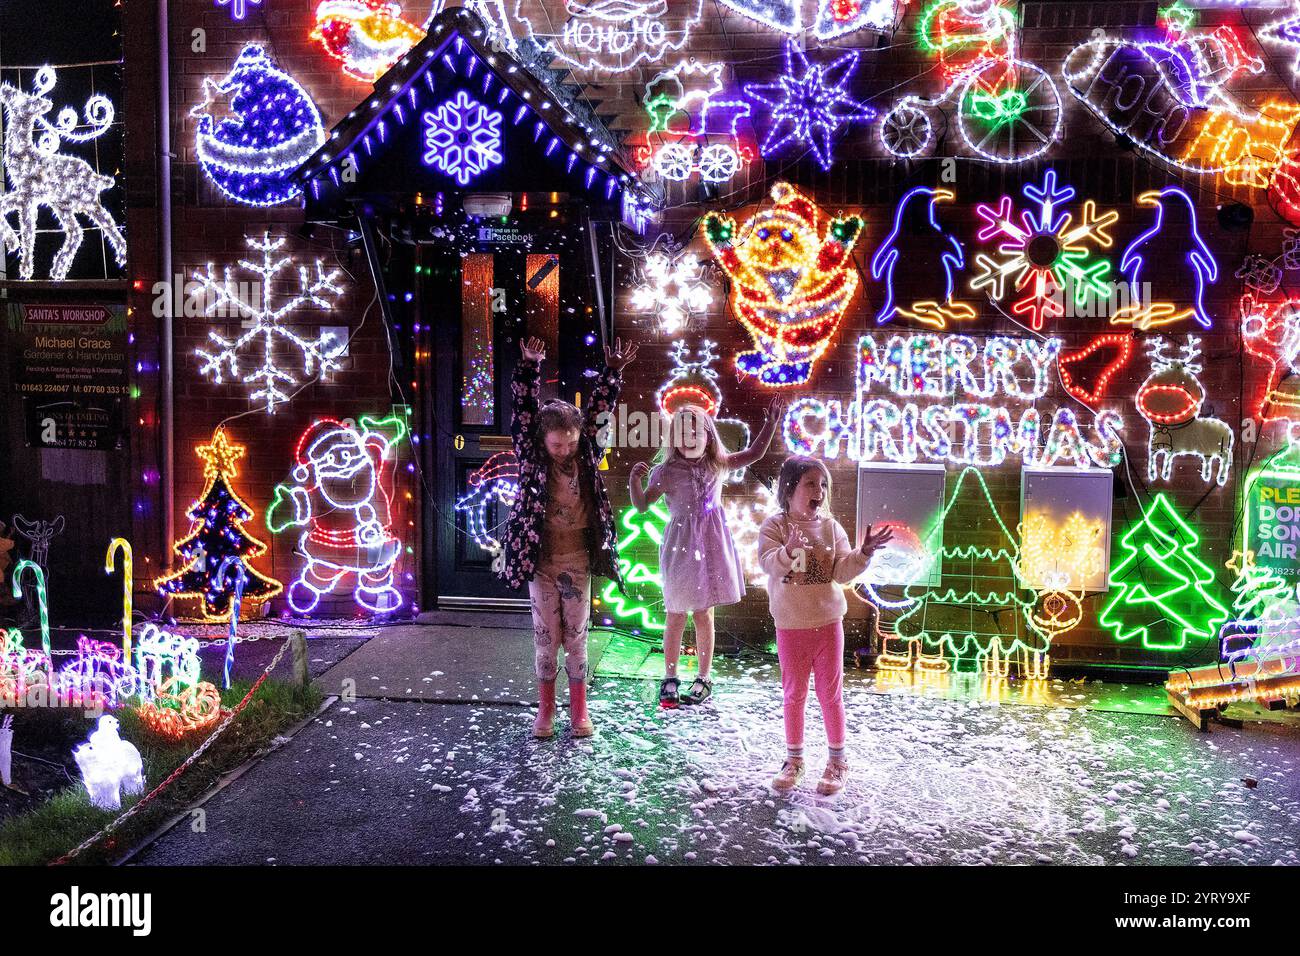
791,286
110,766
342,495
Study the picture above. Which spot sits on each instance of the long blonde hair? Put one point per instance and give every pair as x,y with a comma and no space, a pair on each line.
715,455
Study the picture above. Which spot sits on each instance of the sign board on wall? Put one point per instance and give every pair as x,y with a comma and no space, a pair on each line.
69,365
1272,519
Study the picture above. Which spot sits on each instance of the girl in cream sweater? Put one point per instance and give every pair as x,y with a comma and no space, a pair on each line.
808,558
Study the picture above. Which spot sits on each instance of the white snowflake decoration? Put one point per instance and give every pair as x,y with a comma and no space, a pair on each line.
673,288
265,329
39,175
744,520
462,137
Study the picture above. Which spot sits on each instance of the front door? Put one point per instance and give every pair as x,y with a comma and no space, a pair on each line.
482,305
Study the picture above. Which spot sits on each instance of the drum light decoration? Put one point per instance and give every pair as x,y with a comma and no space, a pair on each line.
218,531
341,495
964,425
1162,579
266,334
935,313
1170,400
272,127
462,138
809,103
1122,342
1142,258
792,286
1043,252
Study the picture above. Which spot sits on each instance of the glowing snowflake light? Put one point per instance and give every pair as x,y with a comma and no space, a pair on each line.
809,103
1045,252
462,137
222,297
673,289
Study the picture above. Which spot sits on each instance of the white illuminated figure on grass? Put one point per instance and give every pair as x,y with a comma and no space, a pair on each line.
110,766
37,174
266,334
342,493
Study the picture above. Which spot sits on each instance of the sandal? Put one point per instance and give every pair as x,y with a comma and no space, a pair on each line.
701,690
668,696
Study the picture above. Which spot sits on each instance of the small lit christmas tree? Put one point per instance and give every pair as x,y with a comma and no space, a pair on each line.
638,560
1162,581
218,532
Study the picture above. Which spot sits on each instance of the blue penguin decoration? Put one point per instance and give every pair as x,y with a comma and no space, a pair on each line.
1201,269
952,258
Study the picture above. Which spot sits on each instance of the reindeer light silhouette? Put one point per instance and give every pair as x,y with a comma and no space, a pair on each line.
1170,400
40,533
39,175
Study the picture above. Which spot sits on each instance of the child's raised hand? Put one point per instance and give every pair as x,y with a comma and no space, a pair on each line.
640,471
534,349
619,356
876,539
775,410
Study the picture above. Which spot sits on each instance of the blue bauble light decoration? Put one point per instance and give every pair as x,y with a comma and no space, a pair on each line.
273,128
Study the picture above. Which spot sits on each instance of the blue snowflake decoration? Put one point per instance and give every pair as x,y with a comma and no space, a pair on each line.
809,103
462,137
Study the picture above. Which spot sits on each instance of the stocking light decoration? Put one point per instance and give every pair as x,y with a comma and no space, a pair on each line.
673,288
809,104
266,334
272,128
341,495
792,285
933,240
1043,251
38,175
366,36
1170,400
218,532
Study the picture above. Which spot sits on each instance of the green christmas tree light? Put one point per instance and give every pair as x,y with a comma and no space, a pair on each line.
643,606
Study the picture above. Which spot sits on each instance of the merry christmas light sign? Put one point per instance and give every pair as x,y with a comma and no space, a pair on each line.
949,398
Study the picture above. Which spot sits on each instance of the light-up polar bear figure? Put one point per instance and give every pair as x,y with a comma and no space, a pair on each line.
342,494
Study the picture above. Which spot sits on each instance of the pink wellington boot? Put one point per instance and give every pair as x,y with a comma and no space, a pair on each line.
544,725
579,723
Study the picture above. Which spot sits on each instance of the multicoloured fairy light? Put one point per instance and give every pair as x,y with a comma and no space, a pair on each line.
1170,400
38,174
673,288
271,128
266,335
162,656
1121,342
971,432
791,285
1143,259
178,712
809,104
218,532
462,138
936,313
1162,583
1044,252
341,495
99,676
365,36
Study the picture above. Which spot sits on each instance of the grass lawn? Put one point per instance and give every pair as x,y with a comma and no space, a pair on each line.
66,819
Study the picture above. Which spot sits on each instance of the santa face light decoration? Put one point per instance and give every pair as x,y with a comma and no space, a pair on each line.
341,494
598,35
792,283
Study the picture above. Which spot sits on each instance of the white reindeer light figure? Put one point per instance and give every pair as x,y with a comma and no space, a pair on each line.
1170,400
39,175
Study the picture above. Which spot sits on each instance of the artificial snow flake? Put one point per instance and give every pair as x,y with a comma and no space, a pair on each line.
1045,252
462,137
809,103
39,174
265,332
673,288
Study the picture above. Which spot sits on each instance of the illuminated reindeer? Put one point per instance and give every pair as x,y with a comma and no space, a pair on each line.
39,175
1170,400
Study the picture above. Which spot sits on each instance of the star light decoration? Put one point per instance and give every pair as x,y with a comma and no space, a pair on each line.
222,297
673,288
1045,253
462,137
809,103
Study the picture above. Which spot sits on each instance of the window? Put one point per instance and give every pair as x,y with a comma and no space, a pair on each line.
1065,527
